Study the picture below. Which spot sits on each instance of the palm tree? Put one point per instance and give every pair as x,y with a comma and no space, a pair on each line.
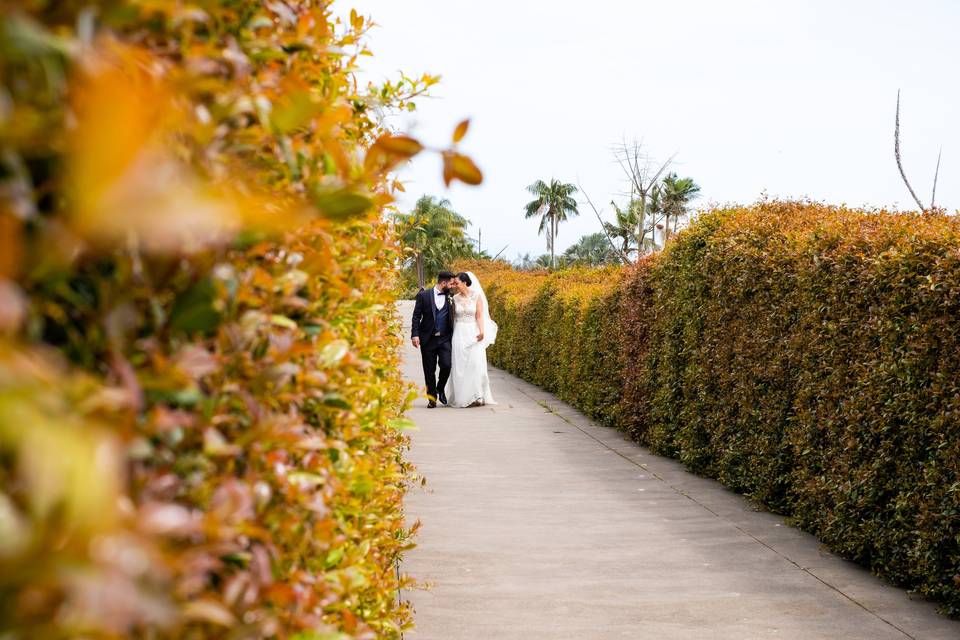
625,226
675,194
433,235
634,224
526,262
593,249
554,204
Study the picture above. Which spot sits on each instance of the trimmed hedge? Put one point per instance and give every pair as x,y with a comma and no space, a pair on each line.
805,355
199,385
559,332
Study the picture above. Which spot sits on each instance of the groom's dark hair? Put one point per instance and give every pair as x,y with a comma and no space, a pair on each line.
445,275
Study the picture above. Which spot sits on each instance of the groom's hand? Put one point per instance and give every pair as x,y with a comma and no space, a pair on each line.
416,341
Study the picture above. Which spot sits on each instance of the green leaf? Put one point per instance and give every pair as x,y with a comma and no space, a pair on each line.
238,559
260,22
186,398
403,424
295,112
362,486
282,321
341,204
305,479
193,311
336,401
320,635
333,558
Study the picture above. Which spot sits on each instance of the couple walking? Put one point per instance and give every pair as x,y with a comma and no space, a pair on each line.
452,327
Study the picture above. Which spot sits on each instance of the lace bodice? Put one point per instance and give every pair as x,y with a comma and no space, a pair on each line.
465,307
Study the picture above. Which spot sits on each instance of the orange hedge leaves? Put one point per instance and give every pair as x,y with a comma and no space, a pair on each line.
199,399
806,355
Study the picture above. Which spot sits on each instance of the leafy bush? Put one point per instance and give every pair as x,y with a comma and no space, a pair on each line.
198,373
805,355
558,330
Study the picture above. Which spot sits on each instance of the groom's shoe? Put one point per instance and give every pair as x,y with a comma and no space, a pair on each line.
442,398
432,404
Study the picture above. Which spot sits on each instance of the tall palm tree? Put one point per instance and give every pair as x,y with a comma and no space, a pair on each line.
433,235
553,203
675,194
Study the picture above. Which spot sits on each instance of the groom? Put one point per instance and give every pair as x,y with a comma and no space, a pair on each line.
431,333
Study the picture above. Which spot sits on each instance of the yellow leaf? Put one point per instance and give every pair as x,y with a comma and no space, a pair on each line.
388,151
208,611
460,131
127,183
457,166
294,112
403,146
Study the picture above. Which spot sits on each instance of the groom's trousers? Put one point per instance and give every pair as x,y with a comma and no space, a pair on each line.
437,351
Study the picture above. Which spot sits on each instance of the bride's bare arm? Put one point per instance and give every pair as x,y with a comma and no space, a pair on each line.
479,317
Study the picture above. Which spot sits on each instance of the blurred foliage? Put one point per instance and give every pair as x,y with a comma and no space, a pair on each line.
199,400
805,355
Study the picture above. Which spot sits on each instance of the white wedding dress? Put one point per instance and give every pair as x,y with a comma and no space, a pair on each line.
469,382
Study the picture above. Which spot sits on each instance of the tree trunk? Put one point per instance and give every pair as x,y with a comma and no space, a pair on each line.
641,231
642,239
553,242
419,260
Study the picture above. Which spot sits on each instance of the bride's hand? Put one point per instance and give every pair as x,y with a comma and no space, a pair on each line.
480,337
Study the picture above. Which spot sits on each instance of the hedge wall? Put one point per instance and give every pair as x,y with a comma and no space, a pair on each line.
545,320
198,382
805,355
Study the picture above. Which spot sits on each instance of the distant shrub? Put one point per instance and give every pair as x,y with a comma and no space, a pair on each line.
558,331
805,355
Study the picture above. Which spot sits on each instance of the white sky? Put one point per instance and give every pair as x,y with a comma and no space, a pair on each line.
792,97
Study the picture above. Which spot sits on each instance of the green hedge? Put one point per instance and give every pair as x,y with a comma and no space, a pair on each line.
805,355
559,331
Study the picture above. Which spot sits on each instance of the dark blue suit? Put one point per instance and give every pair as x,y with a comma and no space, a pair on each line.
434,327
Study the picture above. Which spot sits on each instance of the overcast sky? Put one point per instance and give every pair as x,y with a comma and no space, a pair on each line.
793,98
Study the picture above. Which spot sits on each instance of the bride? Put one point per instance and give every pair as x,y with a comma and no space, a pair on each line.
473,332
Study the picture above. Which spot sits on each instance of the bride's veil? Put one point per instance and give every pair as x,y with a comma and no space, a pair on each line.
489,326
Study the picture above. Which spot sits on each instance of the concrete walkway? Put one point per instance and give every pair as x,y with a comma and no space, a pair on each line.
538,524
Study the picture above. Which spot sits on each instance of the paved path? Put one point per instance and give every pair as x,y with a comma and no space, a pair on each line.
538,524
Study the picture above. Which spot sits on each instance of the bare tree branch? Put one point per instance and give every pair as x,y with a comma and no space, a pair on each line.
603,226
896,152
636,180
628,171
663,168
933,196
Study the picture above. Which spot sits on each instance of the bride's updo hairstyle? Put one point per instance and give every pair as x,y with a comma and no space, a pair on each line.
464,277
